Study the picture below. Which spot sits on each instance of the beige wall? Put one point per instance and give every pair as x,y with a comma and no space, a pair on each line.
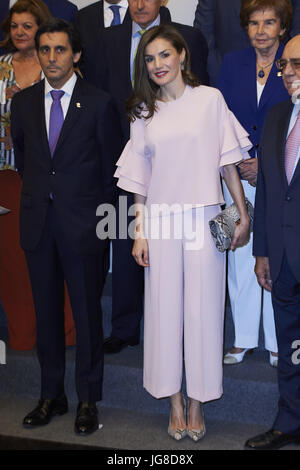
182,11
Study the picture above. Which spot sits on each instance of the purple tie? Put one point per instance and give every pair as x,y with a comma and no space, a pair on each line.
56,119
291,149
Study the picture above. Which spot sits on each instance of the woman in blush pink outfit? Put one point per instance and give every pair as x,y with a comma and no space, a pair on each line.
182,137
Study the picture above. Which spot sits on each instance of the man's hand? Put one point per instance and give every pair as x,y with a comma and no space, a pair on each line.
262,271
248,169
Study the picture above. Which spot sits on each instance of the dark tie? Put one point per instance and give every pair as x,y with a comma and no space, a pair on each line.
116,11
292,149
56,119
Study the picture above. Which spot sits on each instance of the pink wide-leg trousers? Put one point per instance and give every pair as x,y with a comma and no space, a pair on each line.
184,308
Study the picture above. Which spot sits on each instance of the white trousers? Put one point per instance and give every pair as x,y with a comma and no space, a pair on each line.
248,300
184,311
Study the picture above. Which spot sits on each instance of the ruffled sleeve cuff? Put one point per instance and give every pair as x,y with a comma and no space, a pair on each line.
235,145
134,171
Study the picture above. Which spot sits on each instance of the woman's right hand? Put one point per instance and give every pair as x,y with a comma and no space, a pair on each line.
140,252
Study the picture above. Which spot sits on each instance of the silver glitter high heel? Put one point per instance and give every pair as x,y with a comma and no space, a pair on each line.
197,434
177,433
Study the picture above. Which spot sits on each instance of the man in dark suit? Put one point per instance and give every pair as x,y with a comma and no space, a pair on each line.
276,245
219,21
65,154
109,64
93,18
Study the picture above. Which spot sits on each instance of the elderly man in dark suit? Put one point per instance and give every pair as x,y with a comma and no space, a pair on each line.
108,63
65,154
276,245
219,21
103,14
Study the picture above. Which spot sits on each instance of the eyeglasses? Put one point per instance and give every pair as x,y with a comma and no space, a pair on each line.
282,63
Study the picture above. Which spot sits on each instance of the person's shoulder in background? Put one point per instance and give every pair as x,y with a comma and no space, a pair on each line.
62,9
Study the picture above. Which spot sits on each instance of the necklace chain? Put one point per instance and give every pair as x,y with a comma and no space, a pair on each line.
265,66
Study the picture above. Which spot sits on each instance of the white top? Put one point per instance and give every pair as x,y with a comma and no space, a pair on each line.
260,89
176,157
65,100
108,14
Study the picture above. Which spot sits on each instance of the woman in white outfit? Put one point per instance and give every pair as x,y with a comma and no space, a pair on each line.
182,137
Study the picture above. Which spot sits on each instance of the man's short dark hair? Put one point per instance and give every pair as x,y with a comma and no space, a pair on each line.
57,25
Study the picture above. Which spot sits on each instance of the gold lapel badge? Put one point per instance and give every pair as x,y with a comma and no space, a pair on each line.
78,105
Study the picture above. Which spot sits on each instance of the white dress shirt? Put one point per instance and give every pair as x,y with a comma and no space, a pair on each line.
259,89
65,100
108,14
292,123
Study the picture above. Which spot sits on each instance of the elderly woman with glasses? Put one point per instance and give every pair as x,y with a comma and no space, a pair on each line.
251,85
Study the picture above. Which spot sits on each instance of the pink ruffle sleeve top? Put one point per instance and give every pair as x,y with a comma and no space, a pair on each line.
177,156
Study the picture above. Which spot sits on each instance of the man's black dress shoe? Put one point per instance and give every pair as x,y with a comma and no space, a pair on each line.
114,345
87,418
45,411
271,440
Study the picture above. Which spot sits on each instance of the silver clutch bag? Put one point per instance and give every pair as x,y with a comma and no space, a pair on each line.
223,225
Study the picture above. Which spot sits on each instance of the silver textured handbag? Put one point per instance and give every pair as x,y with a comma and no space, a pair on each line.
223,225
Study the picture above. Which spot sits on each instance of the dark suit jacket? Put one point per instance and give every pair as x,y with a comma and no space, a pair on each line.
277,222
295,28
219,21
107,62
4,7
80,174
90,20
237,82
62,9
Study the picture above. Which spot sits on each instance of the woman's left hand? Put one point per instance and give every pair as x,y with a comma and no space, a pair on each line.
241,234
